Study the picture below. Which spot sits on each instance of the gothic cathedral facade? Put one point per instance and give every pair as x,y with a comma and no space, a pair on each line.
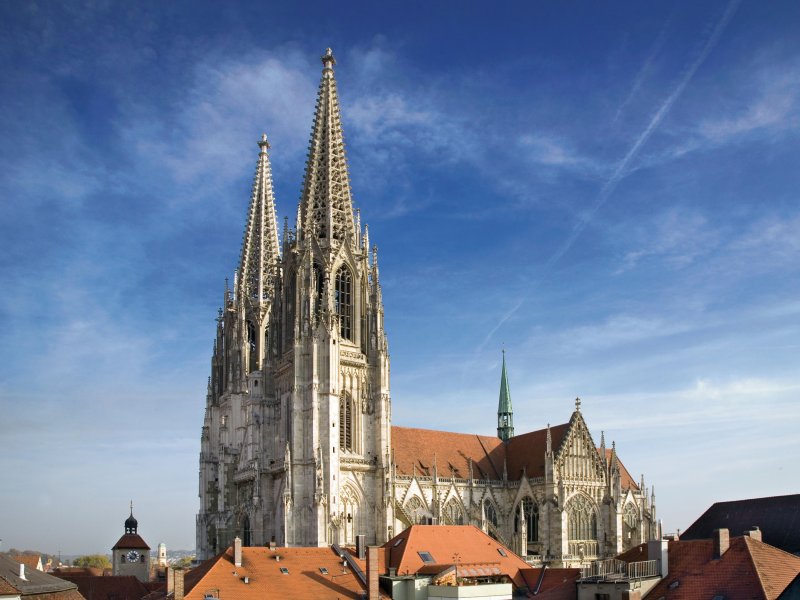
297,445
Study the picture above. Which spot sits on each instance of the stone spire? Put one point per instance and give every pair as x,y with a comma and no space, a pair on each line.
260,249
505,414
326,207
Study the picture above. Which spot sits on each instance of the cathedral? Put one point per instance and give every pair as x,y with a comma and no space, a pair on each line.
297,444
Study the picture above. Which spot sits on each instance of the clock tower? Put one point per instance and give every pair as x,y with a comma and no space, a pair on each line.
131,555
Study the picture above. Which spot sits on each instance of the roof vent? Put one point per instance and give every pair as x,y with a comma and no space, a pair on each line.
246,579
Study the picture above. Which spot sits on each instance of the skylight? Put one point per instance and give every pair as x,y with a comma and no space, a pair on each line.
502,552
397,543
284,570
426,557
323,570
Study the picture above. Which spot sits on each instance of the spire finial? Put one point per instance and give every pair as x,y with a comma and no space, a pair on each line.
327,59
131,507
578,404
263,143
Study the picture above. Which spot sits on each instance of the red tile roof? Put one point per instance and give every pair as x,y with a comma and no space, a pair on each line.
112,587
416,450
625,477
32,561
477,553
131,540
748,570
526,451
265,579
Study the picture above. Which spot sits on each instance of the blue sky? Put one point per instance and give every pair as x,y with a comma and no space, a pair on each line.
610,190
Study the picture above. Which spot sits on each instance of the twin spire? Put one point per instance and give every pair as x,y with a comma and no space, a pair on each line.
326,207
260,250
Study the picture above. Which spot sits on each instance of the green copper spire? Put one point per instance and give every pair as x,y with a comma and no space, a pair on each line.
505,414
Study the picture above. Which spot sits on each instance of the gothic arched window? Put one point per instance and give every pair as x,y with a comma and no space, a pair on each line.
453,513
416,509
490,512
531,512
582,519
630,522
344,302
346,422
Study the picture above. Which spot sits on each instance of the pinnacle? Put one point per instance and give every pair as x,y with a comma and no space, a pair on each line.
327,59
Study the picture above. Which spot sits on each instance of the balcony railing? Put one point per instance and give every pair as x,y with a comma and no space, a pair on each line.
613,569
583,548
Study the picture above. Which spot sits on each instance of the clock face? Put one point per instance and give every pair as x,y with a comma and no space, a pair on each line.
132,556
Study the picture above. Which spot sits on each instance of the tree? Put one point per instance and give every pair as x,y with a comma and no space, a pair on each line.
99,561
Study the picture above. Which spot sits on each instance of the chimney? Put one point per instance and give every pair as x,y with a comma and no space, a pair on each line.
722,541
373,588
170,574
178,584
237,551
22,572
754,533
361,546
659,550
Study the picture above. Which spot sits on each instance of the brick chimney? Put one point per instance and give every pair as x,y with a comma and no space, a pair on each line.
373,587
722,541
237,551
754,532
179,584
170,575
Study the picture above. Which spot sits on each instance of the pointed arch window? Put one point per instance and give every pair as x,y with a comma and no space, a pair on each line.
582,519
490,512
344,302
346,422
453,513
531,513
630,522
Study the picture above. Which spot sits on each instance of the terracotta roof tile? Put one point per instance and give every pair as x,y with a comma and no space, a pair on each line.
415,450
32,561
131,540
748,570
302,580
626,480
112,587
526,451
443,542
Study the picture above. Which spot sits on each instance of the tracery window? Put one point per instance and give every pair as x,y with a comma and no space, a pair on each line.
582,519
416,509
490,512
346,422
453,513
630,522
531,511
344,302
